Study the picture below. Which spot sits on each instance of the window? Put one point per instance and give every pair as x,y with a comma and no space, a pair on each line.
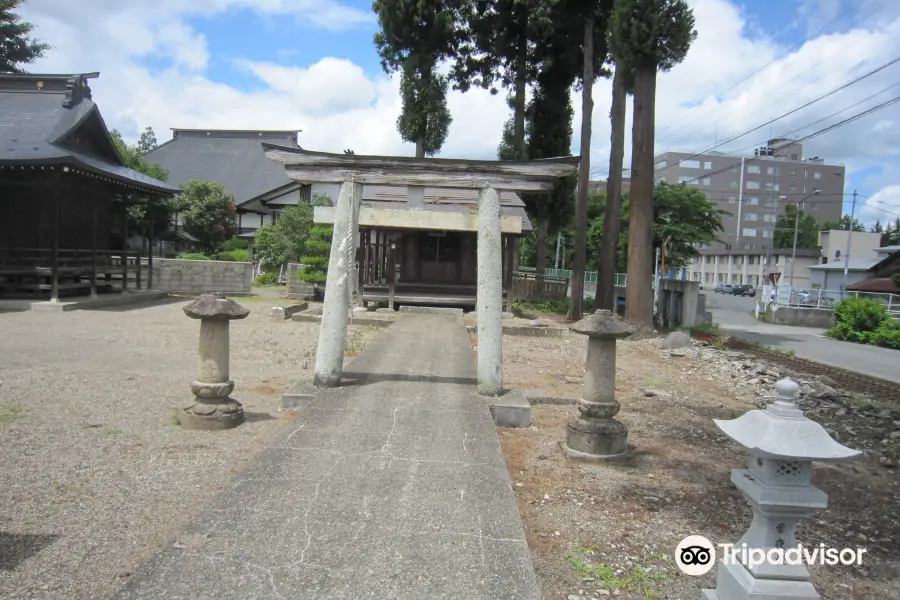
690,164
751,217
707,165
748,247
753,168
793,173
773,171
773,187
705,181
687,179
751,259
817,175
732,184
749,232
792,188
767,234
753,201
733,168
752,185
795,157
728,246
814,206
806,173
731,199
770,218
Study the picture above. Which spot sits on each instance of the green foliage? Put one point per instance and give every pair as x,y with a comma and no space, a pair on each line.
236,255
147,141
319,250
888,334
414,37
651,34
559,307
641,580
807,229
896,278
266,279
10,412
683,218
192,256
17,48
287,238
843,223
236,243
139,213
209,213
858,320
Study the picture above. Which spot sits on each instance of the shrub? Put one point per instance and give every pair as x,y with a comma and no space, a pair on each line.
192,256
859,315
887,334
319,247
236,243
238,255
266,279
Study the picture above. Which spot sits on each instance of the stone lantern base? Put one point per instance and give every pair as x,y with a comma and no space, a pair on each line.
212,410
594,434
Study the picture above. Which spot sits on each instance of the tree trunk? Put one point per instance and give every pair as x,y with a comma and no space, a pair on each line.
609,246
639,293
420,147
519,105
541,252
584,174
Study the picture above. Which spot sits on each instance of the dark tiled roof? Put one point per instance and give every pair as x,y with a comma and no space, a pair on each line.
234,159
34,120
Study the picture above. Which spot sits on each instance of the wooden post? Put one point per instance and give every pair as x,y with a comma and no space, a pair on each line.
392,279
508,273
54,268
138,274
124,245
150,255
94,247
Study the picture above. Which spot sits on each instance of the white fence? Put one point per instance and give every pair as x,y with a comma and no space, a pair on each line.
827,299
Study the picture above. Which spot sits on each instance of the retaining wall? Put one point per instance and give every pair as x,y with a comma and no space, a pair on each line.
802,317
201,276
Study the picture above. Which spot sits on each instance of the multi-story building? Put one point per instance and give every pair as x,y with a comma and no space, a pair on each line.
754,191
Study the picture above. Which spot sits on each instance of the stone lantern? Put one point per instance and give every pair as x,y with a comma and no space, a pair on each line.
594,434
213,408
782,444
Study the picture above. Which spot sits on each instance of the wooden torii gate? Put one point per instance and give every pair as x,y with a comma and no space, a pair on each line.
351,171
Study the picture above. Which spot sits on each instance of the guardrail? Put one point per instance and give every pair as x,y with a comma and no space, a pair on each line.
589,276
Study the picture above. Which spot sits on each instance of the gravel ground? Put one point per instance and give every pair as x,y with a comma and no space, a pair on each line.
600,530
96,476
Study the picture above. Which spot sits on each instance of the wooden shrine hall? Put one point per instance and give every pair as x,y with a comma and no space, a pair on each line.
64,192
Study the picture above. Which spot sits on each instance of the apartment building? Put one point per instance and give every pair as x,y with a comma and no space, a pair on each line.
754,190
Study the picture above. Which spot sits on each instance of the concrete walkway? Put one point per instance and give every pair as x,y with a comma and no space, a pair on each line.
392,487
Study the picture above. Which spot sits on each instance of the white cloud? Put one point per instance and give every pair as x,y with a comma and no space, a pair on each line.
339,106
883,206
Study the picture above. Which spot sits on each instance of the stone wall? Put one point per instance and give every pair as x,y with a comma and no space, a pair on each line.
200,276
679,303
802,317
296,287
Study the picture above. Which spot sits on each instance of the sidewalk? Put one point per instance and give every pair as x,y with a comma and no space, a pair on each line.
393,487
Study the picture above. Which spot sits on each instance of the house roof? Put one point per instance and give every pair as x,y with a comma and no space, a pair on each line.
883,285
859,264
52,120
232,158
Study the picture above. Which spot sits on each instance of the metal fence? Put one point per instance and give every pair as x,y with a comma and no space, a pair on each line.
589,276
828,299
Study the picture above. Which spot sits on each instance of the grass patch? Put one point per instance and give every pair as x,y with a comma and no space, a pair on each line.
354,345
112,431
708,328
642,579
10,412
721,343
558,307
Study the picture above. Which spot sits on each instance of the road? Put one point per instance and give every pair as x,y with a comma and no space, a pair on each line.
734,316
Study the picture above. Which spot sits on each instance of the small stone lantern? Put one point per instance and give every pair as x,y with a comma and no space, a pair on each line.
594,434
213,408
777,483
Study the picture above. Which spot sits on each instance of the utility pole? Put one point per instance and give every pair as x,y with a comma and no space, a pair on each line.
558,242
849,239
796,228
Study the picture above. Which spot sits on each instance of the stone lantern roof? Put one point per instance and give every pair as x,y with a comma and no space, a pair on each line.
783,432
603,324
216,307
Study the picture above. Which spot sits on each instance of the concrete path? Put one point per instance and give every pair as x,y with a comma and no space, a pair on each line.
733,314
392,487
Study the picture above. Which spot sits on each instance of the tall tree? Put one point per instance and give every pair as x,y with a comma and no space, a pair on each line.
807,229
647,36
210,213
843,223
17,47
606,268
147,141
415,36
504,43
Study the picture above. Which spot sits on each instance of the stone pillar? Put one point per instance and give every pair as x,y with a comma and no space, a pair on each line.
730,268
702,269
489,299
213,408
333,330
716,269
782,444
594,434
744,269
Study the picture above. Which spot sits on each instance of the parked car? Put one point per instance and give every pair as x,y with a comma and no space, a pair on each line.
723,288
743,290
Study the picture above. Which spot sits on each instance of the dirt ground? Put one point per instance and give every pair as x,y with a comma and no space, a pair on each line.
611,529
96,475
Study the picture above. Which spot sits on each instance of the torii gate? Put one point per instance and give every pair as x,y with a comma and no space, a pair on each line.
351,171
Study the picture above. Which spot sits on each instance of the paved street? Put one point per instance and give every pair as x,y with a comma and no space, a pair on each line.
734,316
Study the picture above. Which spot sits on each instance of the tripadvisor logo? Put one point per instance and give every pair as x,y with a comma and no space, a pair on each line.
696,555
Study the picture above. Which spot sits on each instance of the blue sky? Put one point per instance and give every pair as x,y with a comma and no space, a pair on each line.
311,65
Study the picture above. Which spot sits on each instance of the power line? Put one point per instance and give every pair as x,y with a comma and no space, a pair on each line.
762,68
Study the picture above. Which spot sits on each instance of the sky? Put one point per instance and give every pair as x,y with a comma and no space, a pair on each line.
310,65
